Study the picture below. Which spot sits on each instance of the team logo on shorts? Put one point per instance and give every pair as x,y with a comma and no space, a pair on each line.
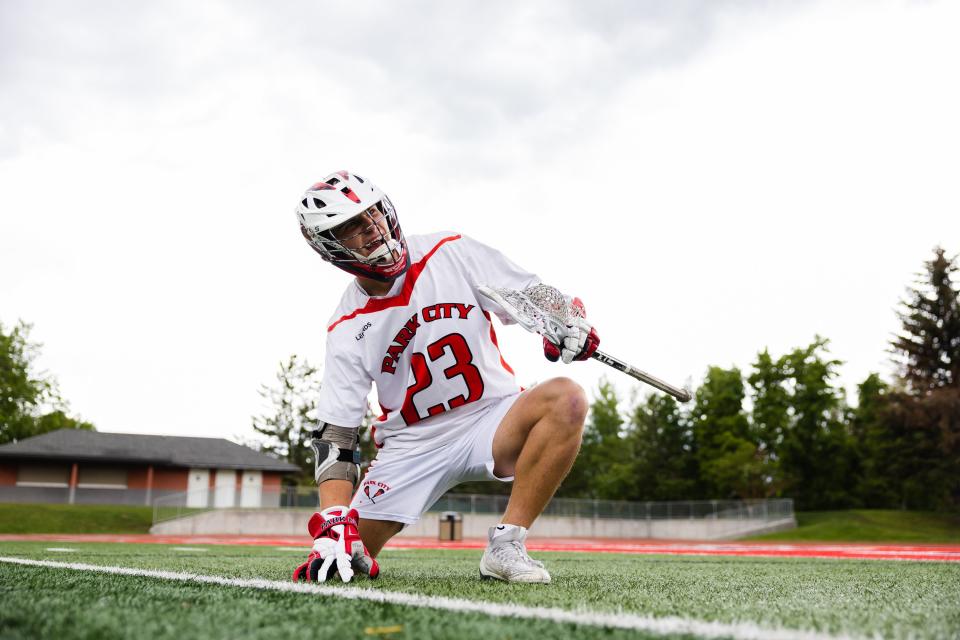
373,490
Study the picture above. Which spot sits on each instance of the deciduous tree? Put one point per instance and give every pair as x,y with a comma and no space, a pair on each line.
663,461
290,418
287,424
877,444
815,455
725,448
602,447
30,401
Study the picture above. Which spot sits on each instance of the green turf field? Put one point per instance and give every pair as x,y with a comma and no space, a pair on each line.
828,598
68,518
872,525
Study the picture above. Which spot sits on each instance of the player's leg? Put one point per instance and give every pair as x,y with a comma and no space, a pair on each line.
537,442
376,533
397,489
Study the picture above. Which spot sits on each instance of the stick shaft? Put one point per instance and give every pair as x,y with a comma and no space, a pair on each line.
680,394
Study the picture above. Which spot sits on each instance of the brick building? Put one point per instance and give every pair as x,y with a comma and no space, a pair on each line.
90,467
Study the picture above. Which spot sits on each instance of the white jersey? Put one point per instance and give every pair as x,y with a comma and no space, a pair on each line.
429,345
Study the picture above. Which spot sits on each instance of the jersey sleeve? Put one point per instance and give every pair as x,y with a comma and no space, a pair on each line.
487,266
345,387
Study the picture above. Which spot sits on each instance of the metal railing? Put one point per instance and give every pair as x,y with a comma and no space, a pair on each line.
189,503
673,510
82,494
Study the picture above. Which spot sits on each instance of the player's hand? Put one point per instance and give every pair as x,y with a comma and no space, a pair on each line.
337,548
581,339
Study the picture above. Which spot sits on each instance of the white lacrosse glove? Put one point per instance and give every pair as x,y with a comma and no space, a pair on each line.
580,339
331,553
337,548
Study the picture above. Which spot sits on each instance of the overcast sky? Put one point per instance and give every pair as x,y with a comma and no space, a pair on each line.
712,178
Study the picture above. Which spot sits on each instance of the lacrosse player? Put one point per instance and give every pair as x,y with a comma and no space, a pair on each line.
413,324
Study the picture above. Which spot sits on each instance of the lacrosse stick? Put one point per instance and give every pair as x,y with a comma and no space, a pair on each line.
544,310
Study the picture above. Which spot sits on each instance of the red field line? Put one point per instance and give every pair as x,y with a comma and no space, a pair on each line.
936,553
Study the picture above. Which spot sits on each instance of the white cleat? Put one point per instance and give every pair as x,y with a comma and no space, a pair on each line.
506,557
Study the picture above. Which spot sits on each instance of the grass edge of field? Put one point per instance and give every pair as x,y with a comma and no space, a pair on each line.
870,525
40,518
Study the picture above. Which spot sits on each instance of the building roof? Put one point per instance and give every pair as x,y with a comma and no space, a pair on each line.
77,445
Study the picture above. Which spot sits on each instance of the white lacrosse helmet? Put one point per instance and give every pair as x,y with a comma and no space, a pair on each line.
338,199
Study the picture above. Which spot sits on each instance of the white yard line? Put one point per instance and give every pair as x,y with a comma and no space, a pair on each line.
60,549
665,625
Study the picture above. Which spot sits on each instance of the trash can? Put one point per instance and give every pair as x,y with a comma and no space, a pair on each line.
451,525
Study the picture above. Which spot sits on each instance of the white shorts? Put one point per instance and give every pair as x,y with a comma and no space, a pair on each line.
401,485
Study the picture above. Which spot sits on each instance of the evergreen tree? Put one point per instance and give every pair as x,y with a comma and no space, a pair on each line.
915,438
941,410
927,348
921,449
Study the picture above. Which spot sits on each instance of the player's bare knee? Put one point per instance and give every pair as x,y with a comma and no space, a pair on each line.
568,404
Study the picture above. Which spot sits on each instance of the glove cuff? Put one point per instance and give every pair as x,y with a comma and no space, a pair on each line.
337,516
331,512
321,522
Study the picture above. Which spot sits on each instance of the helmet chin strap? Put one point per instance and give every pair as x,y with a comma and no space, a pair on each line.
385,253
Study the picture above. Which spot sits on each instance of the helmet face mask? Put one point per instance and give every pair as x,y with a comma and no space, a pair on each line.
353,225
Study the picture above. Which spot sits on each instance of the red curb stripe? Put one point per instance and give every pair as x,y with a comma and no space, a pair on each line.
852,551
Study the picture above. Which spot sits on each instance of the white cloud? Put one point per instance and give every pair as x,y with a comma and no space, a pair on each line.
712,178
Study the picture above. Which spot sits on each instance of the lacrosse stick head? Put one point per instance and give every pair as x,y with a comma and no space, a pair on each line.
539,309
544,310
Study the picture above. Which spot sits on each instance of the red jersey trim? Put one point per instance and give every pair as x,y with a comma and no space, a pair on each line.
401,299
493,339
